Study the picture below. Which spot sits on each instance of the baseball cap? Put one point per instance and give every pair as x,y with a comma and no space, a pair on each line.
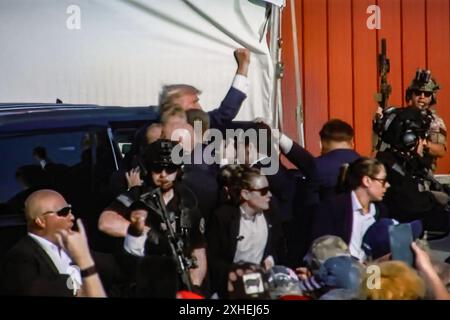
376,241
325,247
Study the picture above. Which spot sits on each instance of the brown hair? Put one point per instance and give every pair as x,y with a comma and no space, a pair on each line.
351,175
336,130
241,178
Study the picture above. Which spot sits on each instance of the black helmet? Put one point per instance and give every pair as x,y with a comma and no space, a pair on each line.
402,127
159,155
423,82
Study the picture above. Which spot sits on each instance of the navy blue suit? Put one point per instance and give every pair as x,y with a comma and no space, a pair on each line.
328,168
220,117
335,217
201,178
283,182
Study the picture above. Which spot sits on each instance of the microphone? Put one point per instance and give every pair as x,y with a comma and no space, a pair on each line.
240,238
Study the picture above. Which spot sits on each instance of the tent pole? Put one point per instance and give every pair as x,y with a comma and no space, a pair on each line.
275,54
298,83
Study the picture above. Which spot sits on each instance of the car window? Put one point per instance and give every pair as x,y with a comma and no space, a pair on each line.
66,157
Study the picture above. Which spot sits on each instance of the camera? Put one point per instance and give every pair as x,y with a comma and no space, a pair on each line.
256,283
402,128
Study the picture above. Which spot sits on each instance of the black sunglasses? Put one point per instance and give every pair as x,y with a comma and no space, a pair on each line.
63,212
418,93
168,168
262,191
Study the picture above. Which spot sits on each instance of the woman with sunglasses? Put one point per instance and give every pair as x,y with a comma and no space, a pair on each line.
348,215
243,229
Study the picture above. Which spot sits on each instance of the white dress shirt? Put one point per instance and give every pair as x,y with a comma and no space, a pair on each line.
253,234
241,83
361,222
135,245
61,260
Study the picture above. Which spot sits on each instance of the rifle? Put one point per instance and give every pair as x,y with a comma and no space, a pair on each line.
154,200
435,184
383,66
381,97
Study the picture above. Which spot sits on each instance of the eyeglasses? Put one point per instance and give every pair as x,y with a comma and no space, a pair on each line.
418,93
382,181
262,191
169,169
63,212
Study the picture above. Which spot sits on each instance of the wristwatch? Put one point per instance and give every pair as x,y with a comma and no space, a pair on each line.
88,271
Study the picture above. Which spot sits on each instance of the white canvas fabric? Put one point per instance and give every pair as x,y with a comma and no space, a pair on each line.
120,52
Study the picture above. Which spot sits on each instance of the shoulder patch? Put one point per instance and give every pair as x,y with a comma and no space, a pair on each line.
201,225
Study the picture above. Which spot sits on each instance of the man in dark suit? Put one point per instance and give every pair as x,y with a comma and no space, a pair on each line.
336,138
37,265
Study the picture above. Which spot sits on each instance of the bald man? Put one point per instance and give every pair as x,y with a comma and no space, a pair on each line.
37,265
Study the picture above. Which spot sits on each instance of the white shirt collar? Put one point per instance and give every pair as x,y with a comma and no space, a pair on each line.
43,163
356,205
246,216
361,222
44,243
252,239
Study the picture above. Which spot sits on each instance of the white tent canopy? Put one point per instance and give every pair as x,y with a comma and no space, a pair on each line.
120,52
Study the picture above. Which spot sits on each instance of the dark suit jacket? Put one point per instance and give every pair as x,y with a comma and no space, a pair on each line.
220,117
328,168
283,182
335,217
201,178
27,270
222,235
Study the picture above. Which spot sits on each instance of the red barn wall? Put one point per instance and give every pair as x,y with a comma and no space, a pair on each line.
337,56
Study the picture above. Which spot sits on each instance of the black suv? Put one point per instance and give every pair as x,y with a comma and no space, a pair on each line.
84,146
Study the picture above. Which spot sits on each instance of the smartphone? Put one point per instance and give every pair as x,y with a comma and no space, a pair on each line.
400,237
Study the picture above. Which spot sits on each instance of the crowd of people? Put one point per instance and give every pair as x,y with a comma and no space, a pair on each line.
190,216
